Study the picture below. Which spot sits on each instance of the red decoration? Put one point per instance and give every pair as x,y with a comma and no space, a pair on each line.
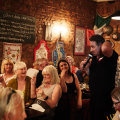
89,34
41,51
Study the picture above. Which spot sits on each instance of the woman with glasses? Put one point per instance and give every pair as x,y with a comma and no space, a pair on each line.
11,105
116,102
7,72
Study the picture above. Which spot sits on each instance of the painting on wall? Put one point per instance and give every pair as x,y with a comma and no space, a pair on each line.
12,51
41,51
79,45
58,53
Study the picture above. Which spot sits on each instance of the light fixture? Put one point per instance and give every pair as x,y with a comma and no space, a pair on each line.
116,16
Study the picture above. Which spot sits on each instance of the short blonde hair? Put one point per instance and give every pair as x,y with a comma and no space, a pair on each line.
9,99
53,73
19,65
4,62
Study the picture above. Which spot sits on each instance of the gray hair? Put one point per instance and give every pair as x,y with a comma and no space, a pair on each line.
53,72
116,93
9,99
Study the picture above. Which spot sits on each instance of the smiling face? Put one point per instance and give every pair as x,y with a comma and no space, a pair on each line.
21,72
63,66
94,48
8,67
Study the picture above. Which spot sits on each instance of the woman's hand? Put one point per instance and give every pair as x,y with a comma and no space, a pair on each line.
39,90
63,73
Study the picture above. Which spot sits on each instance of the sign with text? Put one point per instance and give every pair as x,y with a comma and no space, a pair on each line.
16,28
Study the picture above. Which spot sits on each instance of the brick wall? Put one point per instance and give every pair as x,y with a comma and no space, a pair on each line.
106,9
46,12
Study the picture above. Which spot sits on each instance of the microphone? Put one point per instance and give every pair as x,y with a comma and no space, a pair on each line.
89,57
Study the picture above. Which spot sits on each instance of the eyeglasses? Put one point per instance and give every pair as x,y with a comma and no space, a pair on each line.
9,96
115,103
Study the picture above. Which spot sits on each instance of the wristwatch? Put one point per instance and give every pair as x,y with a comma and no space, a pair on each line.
46,98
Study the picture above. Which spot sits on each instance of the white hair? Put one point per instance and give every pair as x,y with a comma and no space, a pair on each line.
19,65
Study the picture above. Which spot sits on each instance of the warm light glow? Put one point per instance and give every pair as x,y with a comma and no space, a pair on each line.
116,18
59,28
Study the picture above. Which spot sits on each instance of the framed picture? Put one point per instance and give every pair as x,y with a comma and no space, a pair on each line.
58,53
79,45
41,50
12,51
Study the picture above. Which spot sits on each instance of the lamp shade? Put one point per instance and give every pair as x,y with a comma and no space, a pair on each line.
116,16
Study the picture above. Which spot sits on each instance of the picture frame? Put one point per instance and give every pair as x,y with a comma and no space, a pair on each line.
79,41
41,50
12,51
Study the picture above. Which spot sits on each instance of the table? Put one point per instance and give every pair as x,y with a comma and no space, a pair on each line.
37,115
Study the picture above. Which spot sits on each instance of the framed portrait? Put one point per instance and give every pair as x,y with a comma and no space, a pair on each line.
79,42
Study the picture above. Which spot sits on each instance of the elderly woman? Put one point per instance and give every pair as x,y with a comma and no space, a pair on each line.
72,96
7,71
11,105
23,82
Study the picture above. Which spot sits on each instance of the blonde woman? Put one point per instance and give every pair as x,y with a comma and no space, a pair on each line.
11,105
50,90
48,93
7,71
